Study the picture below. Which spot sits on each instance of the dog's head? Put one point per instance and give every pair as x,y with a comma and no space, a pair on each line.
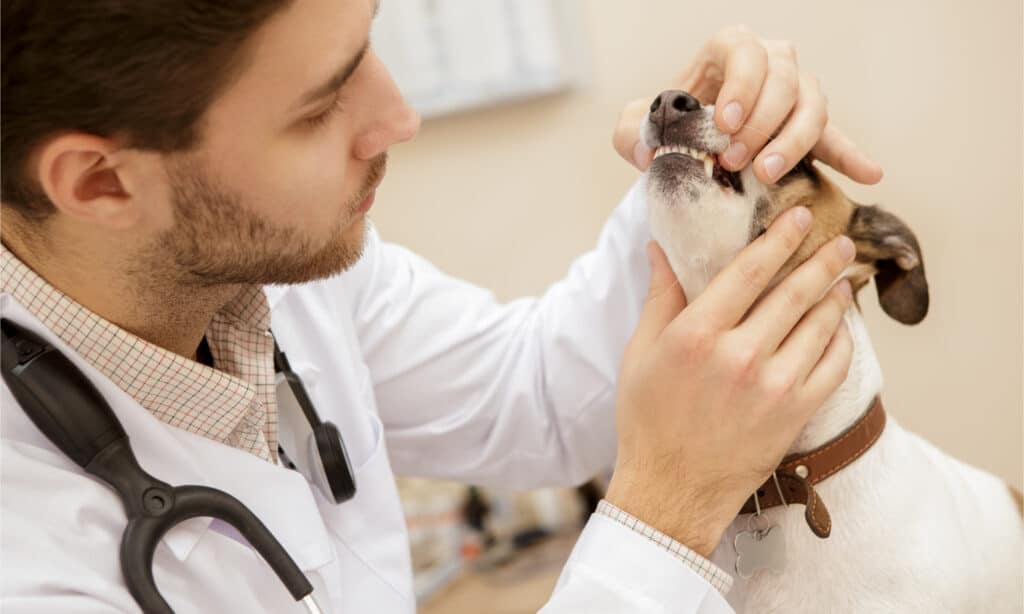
703,215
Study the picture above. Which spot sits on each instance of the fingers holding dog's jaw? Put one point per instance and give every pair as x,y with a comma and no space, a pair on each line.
829,373
841,154
801,131
731,293
779,94
806,345
775,316
746,66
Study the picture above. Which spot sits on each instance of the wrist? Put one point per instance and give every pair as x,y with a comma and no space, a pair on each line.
685,515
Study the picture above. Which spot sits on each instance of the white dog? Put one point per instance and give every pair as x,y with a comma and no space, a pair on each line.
899,526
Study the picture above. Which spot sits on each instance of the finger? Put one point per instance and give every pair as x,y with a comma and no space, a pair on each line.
642,155
626,137
804,347
841,154
778,96
665,297
746,67
799,134
702,79
775,316
829,373
731,293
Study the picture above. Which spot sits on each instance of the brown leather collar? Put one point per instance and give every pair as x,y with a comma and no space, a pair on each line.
799,473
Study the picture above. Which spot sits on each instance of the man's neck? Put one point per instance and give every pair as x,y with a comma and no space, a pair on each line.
150,305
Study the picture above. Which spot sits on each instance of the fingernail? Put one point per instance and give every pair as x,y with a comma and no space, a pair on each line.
846,248
773,166
736,154
845,288
732,115
803,218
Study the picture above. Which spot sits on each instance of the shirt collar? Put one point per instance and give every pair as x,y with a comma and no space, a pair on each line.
216,403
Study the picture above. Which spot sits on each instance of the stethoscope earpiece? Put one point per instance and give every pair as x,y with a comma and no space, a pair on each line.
325,463
338,480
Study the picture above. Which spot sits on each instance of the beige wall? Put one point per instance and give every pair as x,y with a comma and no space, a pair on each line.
507,196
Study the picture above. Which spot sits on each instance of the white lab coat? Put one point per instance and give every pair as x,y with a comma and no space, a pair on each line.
424,375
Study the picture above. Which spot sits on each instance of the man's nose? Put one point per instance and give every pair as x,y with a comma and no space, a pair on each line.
670,106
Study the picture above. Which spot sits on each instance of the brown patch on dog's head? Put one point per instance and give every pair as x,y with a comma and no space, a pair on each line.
886,248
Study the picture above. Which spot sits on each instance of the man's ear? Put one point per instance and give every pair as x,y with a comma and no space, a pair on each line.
80,175
883,238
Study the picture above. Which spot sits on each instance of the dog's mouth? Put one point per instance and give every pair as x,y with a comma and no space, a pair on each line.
707,161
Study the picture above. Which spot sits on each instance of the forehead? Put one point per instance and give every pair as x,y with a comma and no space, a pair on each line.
296,49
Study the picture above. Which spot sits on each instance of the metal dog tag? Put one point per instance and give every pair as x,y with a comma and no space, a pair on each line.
760,549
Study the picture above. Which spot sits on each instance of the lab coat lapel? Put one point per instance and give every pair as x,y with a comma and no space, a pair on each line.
279,497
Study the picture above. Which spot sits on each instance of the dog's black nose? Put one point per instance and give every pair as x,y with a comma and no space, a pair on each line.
670,105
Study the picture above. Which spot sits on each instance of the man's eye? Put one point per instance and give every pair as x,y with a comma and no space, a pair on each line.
322,118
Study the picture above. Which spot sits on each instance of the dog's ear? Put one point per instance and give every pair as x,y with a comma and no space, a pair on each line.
884,240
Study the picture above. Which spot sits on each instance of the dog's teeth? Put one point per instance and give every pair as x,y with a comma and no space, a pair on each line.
696,154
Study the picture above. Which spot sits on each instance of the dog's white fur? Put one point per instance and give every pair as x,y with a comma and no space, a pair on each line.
913,529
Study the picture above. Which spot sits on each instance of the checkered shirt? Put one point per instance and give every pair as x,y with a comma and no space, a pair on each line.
714,574
234,403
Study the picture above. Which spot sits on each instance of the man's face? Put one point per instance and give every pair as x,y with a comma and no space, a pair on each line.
291,152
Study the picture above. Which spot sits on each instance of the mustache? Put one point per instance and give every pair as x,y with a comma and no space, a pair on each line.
378,166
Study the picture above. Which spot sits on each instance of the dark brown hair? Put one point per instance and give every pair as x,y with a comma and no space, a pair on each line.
141,71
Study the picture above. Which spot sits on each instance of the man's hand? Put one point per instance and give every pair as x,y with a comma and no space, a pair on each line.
758,92
711,397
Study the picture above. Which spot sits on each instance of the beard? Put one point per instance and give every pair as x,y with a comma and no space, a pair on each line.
216,240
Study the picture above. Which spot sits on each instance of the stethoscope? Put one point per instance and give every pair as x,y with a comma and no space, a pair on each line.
72,413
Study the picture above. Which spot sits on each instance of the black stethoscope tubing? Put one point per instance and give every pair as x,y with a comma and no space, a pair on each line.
72,413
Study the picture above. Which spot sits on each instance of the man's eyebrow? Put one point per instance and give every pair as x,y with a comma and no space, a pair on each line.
337,80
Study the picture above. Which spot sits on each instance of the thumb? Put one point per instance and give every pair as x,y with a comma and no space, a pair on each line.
642,155
665,297
627,137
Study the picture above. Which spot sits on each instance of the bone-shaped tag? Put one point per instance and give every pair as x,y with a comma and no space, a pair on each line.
760,549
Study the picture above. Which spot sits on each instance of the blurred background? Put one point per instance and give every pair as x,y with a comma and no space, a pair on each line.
513,175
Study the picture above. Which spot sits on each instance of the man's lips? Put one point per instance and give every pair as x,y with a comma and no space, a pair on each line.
367,202
377,170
